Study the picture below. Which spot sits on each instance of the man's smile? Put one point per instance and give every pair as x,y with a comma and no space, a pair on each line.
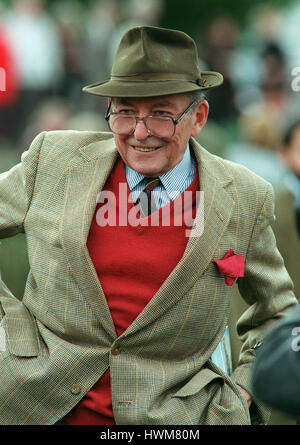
145,149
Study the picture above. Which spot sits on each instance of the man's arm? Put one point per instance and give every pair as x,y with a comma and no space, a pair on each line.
16,189
268,289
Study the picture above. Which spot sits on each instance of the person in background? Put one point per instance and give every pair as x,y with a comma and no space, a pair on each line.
134,13
218,46
102,21
287,203
259,134
34,40
276,376
9,86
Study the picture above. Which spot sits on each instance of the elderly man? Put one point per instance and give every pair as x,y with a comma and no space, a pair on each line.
124,306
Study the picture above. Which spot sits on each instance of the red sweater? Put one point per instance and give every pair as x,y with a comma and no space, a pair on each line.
132,263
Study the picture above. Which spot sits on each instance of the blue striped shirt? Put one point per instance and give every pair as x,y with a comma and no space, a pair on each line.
172,184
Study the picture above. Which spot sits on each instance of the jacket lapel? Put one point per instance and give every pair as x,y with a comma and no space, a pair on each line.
216,209
86,177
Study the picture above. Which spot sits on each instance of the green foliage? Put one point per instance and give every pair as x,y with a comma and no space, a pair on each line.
190,15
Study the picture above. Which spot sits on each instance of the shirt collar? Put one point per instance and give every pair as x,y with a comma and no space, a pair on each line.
172,180
133,177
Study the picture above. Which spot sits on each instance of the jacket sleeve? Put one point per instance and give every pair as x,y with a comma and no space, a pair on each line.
276,373
268,289
16,190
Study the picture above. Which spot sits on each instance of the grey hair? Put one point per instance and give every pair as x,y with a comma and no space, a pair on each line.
197,96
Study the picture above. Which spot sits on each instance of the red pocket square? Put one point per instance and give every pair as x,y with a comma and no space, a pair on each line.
231,266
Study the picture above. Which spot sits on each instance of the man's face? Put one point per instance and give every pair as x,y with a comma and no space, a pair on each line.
291,154
167,152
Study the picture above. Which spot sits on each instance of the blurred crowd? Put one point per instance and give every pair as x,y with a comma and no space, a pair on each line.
48,55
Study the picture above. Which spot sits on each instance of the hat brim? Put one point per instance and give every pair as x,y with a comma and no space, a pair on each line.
142,88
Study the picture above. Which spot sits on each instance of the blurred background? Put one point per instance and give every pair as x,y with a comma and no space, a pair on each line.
49,50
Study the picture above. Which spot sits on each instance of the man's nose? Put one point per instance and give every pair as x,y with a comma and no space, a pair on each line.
141,132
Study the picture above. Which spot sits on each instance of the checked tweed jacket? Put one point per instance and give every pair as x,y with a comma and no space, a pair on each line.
60,339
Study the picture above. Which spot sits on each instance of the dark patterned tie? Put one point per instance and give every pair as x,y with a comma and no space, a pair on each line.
146,201
297,214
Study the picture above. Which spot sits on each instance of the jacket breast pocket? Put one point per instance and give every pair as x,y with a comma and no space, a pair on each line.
19,333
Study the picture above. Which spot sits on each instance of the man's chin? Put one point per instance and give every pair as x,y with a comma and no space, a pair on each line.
149,174
145,170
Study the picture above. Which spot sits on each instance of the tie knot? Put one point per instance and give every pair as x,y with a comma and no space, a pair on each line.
146,201
151,184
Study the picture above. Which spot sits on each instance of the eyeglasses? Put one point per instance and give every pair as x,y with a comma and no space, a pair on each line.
161,126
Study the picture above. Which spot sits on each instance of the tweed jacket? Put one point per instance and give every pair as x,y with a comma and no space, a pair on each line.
287,237
58,341
288,243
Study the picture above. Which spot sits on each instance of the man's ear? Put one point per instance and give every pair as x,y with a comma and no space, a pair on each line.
201,113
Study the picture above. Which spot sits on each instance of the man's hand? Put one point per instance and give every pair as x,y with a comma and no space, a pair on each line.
246,395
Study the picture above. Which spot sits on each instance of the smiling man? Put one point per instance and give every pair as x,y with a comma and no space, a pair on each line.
119,324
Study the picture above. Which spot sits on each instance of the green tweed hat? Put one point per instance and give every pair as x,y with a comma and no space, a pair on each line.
153,61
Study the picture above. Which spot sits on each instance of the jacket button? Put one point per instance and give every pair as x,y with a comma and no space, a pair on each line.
75,389
116,350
